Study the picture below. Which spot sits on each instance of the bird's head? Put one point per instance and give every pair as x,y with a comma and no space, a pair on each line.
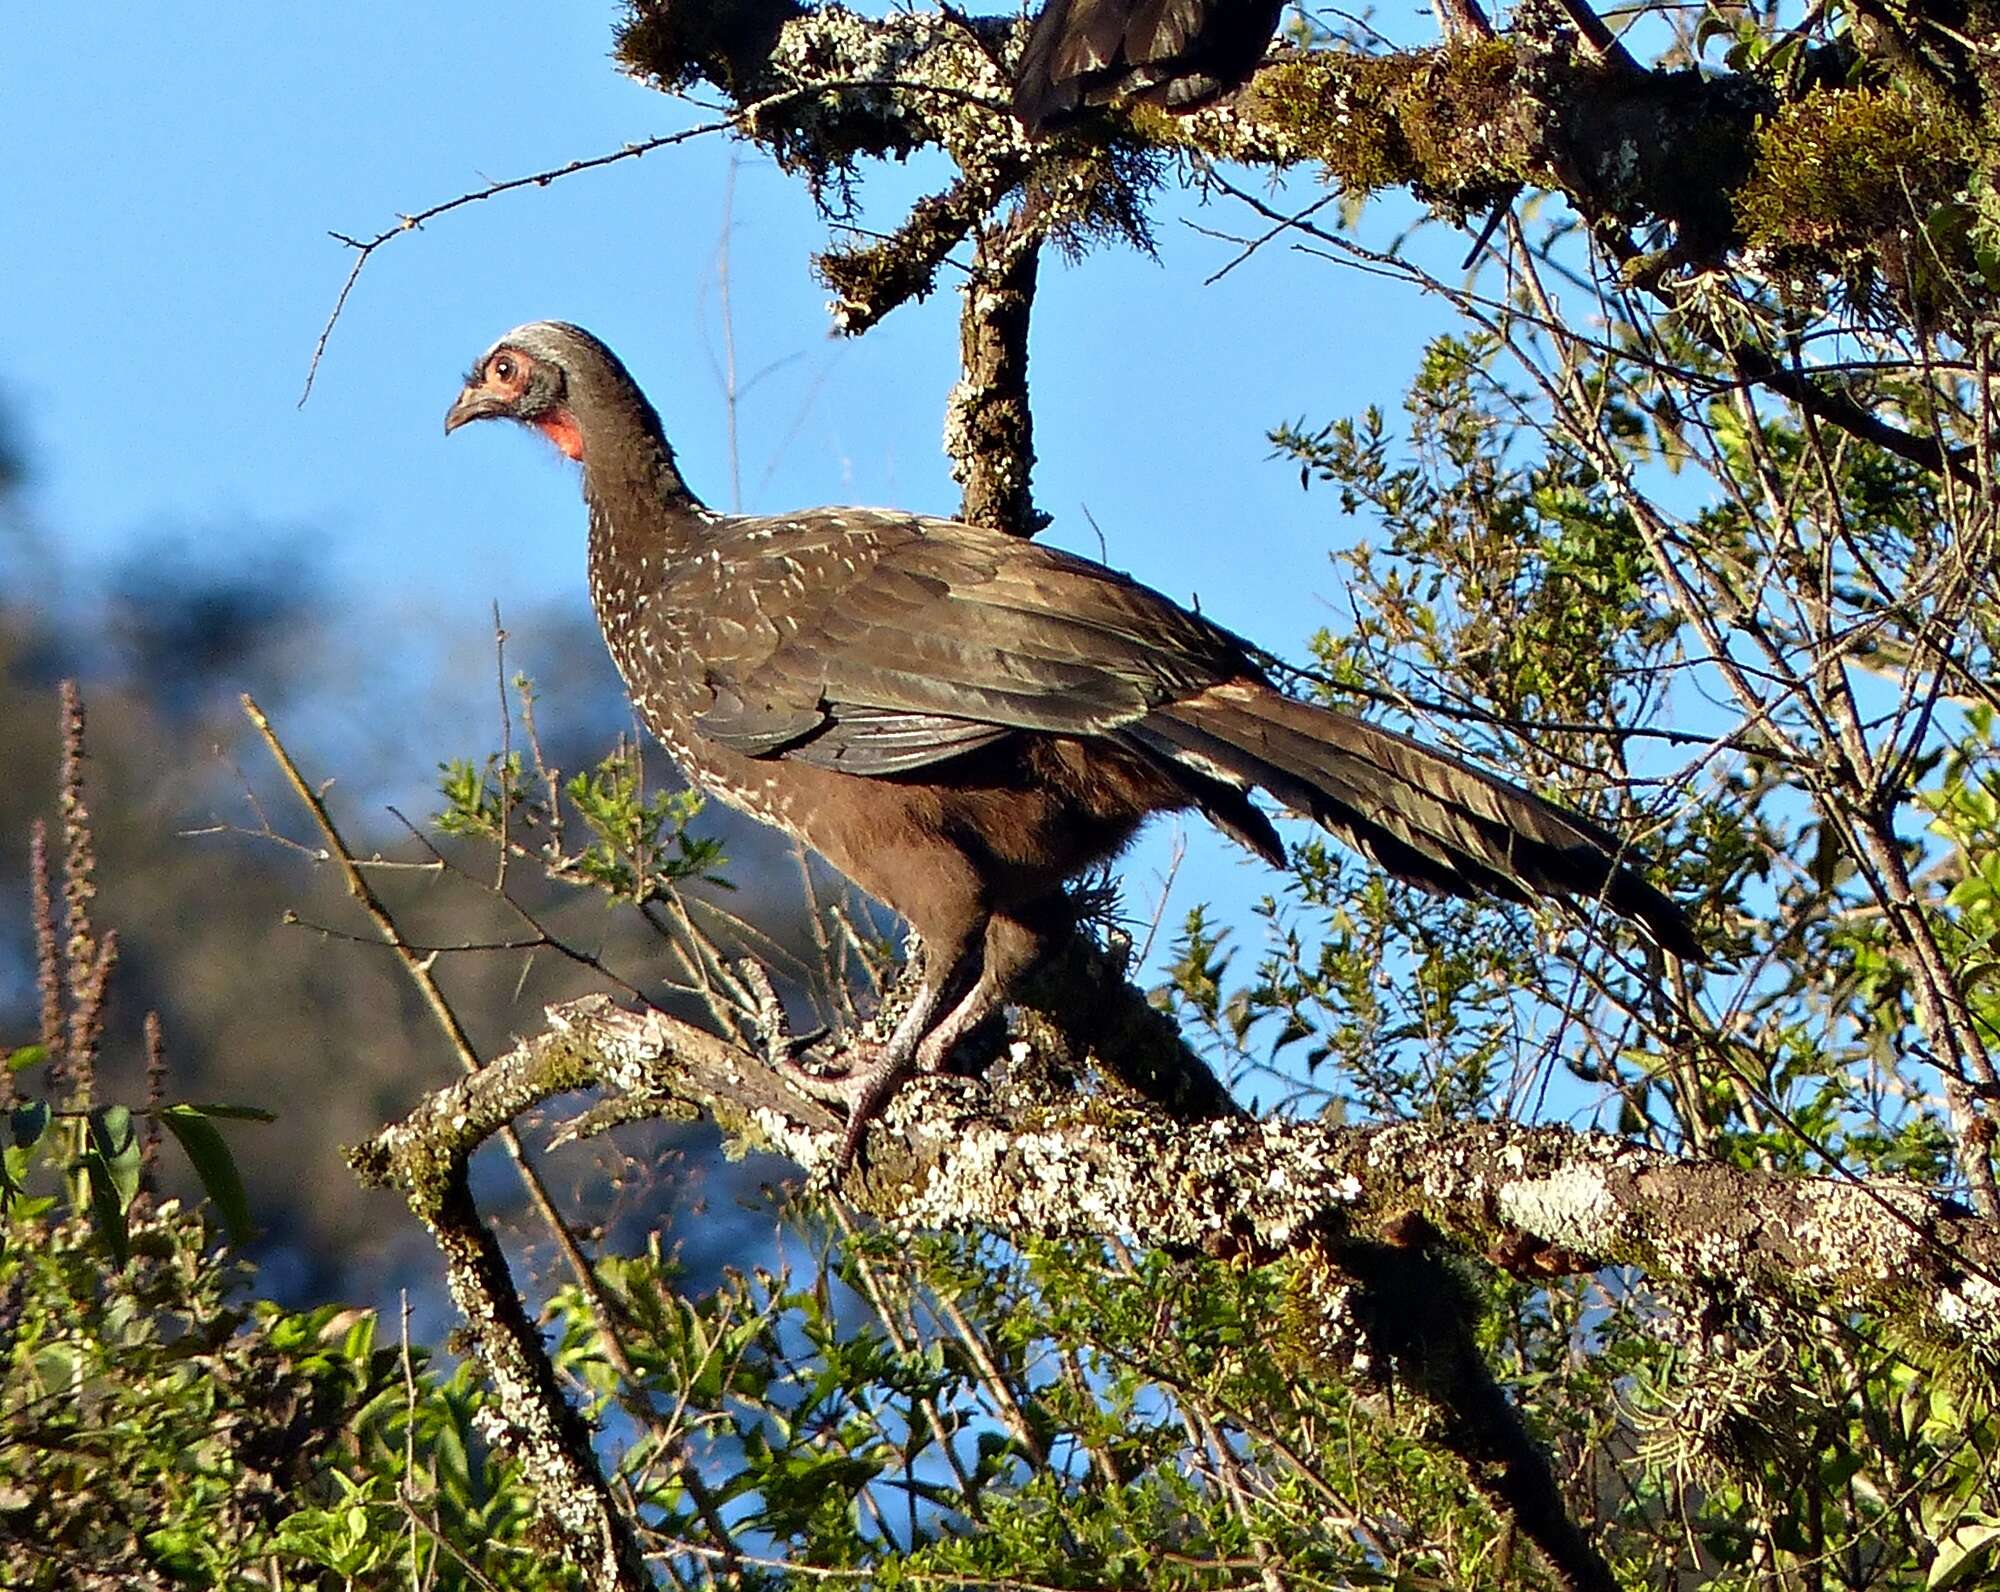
554,377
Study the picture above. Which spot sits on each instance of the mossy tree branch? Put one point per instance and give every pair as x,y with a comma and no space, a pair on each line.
1814,171
1365,1216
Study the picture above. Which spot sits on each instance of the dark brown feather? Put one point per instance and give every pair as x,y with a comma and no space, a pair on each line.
1177,54
1425,815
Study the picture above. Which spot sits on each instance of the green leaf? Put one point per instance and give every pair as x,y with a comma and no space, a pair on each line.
1966,1552
208,1153
111,1164
115,1137
58,1368
223,1113
106,1209
27,1056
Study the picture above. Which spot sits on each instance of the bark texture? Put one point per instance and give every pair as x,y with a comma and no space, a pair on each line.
989,430
1020,1152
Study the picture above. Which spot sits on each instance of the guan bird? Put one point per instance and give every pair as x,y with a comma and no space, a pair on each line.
1177,54
961,721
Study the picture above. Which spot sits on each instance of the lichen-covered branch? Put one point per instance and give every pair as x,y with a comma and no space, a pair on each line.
548,1437
1022,1154
427,1157
1819,171
943,86
1156,1155
989,428
1461,123
870,281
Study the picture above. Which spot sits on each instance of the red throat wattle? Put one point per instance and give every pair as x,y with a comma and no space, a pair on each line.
560,427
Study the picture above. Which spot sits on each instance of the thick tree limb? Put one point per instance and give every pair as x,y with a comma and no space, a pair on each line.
989,428
1021,1157
1554,105
1363,1212
538,1425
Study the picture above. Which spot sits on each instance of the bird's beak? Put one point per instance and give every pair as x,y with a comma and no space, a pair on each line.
473,404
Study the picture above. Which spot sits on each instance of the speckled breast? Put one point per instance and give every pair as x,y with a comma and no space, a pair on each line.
663,682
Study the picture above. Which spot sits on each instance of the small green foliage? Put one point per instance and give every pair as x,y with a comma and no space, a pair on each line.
641,848
110,1163
1964,805
162,1426
482,798
951,1408
97,1157
1544,570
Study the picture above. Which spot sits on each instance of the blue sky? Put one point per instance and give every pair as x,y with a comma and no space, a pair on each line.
175,172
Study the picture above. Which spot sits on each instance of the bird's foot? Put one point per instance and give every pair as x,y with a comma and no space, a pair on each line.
864,1087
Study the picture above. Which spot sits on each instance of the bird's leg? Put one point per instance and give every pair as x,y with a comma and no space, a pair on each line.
1014,944
866,1088
923,1041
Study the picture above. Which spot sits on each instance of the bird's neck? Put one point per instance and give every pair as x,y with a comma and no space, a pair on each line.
640,507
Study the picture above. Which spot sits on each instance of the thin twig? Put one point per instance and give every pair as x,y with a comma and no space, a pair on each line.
506,745
744,117
403,1482
156,1088
419,966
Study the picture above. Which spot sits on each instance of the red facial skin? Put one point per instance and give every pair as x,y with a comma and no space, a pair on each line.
560,427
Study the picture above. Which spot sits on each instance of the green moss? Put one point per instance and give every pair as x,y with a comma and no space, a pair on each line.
867,279
1838,170
1435,121
1451,112
1331,109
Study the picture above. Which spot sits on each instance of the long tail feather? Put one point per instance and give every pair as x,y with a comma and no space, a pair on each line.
1425,815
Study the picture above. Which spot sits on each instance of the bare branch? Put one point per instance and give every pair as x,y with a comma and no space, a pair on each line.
418,965
744,118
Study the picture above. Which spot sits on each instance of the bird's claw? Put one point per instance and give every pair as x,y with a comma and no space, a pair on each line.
864,1090
798,1044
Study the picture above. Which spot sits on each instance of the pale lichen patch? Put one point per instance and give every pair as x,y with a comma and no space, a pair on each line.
1970,1309
1573,1207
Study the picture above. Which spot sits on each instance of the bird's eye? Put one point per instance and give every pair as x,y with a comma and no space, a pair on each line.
503,368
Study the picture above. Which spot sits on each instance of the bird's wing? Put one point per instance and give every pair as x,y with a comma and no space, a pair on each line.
1178,53
883,642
